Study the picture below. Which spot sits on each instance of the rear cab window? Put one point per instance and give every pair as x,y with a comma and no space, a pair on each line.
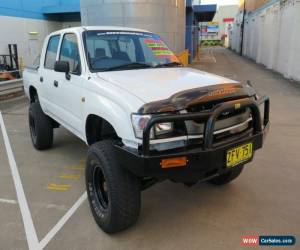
51,52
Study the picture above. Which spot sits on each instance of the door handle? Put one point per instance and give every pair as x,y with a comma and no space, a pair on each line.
41,79
55,83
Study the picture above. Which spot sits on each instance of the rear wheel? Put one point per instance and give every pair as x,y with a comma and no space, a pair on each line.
227,177
41,129
114,193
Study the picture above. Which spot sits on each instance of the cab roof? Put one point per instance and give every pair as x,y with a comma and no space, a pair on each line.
103,28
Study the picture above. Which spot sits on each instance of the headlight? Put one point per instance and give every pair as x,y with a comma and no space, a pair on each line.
139,122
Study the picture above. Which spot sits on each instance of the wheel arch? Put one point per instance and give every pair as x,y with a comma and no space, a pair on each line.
97,128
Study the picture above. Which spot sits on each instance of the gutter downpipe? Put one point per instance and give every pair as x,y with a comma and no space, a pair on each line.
242,29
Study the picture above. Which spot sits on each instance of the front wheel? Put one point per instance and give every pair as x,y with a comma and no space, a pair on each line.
227,177
114,193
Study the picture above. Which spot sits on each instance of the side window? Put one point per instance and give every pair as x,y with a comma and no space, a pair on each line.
51,52
69,52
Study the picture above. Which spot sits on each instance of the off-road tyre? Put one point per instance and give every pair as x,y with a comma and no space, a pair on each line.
227,177
114,193
41,129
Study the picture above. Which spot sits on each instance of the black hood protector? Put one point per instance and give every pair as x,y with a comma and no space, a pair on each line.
188,98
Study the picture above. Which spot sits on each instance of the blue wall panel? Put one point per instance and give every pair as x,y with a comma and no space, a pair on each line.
61,6
51,2
12,4
37,8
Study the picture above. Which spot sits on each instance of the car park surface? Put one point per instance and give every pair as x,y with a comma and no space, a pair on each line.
262,201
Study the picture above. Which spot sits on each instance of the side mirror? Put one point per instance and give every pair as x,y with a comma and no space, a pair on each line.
64,67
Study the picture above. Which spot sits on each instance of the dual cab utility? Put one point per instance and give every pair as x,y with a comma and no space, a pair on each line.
145,117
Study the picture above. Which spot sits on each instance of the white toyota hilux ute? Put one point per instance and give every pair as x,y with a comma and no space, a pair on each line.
145,117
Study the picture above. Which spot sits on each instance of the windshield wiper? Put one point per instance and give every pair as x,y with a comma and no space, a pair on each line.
134,65
172,64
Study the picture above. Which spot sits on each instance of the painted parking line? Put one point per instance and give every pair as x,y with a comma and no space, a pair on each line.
207,56
70,176
31,235
8,201
62,221
212,56
79,167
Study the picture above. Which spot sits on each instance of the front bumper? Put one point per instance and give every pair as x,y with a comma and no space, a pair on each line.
203,162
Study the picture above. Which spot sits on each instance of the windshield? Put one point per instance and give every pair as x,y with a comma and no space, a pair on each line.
122,50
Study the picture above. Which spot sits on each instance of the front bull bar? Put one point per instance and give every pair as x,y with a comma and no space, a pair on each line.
209,118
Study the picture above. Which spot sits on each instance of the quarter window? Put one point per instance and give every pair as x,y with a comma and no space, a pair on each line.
69,52
51,52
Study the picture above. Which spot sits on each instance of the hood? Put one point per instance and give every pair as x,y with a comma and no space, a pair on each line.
177,87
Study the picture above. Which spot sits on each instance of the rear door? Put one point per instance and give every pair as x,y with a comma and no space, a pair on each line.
47,76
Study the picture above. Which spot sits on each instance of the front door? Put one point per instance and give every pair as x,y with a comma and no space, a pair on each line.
68,90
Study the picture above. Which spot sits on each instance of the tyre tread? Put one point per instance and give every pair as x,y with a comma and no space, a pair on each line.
124,189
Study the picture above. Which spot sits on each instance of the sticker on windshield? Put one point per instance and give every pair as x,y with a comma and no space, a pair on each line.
159,48
123,33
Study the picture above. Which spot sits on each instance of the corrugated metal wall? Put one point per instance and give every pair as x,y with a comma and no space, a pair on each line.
165,17
252,4
272,37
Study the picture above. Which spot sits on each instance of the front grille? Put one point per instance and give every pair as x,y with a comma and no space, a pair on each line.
229,114
229,126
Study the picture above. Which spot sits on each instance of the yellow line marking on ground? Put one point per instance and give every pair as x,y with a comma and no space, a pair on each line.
76,167
58,187
70,176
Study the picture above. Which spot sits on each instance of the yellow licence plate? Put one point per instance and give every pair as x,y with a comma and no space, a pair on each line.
239,154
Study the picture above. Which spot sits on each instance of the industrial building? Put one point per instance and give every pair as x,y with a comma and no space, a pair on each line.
268,32
27,22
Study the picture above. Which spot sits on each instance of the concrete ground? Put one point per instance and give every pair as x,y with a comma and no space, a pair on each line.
263,201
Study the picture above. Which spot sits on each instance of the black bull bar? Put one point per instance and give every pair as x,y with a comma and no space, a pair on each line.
209,118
